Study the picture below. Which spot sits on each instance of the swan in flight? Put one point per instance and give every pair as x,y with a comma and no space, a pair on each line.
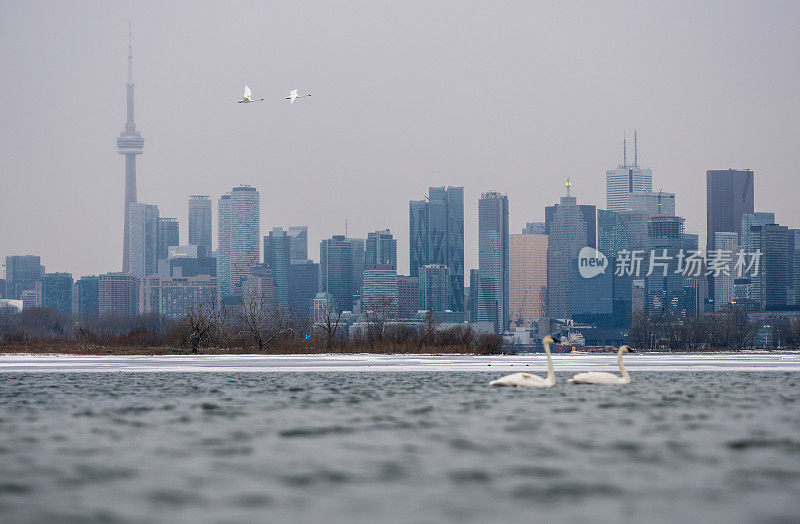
528,380
294,96
602,378
248,96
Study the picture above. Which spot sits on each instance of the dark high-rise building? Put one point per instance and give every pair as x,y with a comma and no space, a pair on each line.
771,285
336,264
381,249
358,246
87,302
298,240
473,294
54,290
22,274
303,285
665,286
493,253
200,224
729,195
437,236
129,143
612,235
570,227
277,253
407,296
168,235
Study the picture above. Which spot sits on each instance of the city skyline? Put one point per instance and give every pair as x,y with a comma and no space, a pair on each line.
190,154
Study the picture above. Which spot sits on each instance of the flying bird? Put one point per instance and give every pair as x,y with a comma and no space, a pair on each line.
248,96
294,96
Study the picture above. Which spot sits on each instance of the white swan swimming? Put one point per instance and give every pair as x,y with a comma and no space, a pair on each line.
602,378
248,96
294,96
527,380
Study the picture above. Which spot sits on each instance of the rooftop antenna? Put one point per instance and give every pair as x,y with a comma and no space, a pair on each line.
624,150
635,149
345,228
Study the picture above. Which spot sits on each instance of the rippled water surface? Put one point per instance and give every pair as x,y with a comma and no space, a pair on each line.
396,447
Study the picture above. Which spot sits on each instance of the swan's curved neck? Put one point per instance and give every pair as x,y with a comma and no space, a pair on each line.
550,373
622,369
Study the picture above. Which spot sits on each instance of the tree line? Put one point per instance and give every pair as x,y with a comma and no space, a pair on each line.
732,329
257,325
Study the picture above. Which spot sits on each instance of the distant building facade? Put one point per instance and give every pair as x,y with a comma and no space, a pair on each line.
143,231
434,287
380,250
119,294
22,273
527,276
729,195
173,296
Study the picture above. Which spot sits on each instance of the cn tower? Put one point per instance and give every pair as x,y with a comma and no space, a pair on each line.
130,143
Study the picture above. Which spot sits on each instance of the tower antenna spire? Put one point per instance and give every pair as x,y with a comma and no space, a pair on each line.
624,149
635,148
130,53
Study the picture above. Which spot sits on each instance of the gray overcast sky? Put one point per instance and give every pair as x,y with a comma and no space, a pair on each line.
507,96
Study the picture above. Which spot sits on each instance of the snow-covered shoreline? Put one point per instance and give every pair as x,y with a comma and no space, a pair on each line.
749,361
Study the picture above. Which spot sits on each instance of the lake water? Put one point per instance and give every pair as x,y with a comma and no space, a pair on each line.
397,446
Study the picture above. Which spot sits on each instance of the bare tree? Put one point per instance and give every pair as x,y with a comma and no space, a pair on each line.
7,316
379,313
263,320
330,317
202,322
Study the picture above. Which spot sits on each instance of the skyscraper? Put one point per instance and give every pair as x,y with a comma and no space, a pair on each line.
437,236
625,179
358,246
753,219
143,234
665,286
381,250
303,285
570,227
119,294
380,285
22,273
277,253
238,253
336,264
200,224
129,143
407,296
434,287
168,235
723,285
88,297
493,260
654,203
298,240
729,195
54,290
771,285
527,276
